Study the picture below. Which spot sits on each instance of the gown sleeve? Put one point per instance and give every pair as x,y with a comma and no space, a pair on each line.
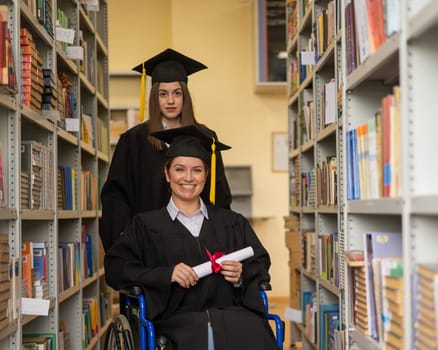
116,194
126,265
255,270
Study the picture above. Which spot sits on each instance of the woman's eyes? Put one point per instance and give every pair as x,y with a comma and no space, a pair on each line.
165,94
195,170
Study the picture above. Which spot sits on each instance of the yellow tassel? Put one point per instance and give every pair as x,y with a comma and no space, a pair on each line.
142,93
213,174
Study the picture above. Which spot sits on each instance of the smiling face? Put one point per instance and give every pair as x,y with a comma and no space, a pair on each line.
170,96
187,177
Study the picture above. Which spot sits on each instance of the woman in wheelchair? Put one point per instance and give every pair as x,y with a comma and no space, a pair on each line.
158,250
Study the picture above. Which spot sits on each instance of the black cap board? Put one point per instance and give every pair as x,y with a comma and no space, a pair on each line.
190,141
168,66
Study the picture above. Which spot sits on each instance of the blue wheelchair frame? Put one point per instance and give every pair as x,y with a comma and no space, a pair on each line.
147,337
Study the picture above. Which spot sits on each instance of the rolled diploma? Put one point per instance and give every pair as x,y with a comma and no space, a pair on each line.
204,269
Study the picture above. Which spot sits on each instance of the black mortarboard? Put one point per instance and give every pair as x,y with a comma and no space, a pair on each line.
193,141
168,66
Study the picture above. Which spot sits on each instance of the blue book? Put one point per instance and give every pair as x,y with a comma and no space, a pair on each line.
68,193
326,311
39,252
349,163
306,298
89,250
355,165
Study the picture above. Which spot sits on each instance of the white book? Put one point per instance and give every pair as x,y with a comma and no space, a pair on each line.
361,29
373,163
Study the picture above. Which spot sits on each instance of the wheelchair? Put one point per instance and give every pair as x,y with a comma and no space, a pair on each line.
121,335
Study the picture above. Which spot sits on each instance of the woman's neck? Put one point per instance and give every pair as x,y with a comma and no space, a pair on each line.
172,123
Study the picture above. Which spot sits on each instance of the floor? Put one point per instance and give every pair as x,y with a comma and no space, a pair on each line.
277,305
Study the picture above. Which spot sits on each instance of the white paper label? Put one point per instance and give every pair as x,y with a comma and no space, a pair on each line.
75,52
72,124
65,35
307,58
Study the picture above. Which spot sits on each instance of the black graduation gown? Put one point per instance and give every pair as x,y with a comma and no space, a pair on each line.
145,255
136,183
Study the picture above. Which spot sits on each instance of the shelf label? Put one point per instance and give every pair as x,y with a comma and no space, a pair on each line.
72,124
51,114
91,5
293,315
307,58
75,52
65,35
30,306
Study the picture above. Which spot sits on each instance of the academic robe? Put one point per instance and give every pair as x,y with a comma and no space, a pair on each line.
145,255
136,183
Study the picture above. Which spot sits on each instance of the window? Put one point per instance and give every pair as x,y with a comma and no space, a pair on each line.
271,41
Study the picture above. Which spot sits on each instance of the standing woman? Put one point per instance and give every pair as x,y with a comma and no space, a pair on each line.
135,181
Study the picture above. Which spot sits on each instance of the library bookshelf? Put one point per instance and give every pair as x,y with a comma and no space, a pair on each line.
384,59
54,137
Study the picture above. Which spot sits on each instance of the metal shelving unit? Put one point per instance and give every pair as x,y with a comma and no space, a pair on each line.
308,154
17,123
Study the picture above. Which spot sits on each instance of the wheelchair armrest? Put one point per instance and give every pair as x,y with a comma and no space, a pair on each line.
265,285
134,291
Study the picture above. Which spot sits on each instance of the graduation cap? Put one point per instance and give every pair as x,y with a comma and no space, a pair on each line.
165,67
169,65
193,141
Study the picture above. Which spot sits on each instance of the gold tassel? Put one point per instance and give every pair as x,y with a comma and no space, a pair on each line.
142,93
213,173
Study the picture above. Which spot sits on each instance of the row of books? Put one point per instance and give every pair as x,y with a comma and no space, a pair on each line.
8,284
295,183
307,116
328,257
39,341
373,153
327,182
34,267
88,65
67,193
309,252
31,72
87,129
425,314
8,83
376,287
368,24
3,190
37,179
68,259
42,10
325,29
87,247
47,340
66,187
308,188
102,137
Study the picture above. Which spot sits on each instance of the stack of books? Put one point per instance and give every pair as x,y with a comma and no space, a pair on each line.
392,303
356,269
426,303
31,72
5,282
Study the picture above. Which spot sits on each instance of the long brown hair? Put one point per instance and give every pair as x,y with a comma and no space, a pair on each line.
155,123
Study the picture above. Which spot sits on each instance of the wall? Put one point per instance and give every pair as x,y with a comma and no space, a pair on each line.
221,35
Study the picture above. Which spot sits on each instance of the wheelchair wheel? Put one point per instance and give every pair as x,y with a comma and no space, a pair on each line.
119,335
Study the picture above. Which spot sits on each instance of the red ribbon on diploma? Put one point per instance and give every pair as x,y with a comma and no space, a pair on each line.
214,265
